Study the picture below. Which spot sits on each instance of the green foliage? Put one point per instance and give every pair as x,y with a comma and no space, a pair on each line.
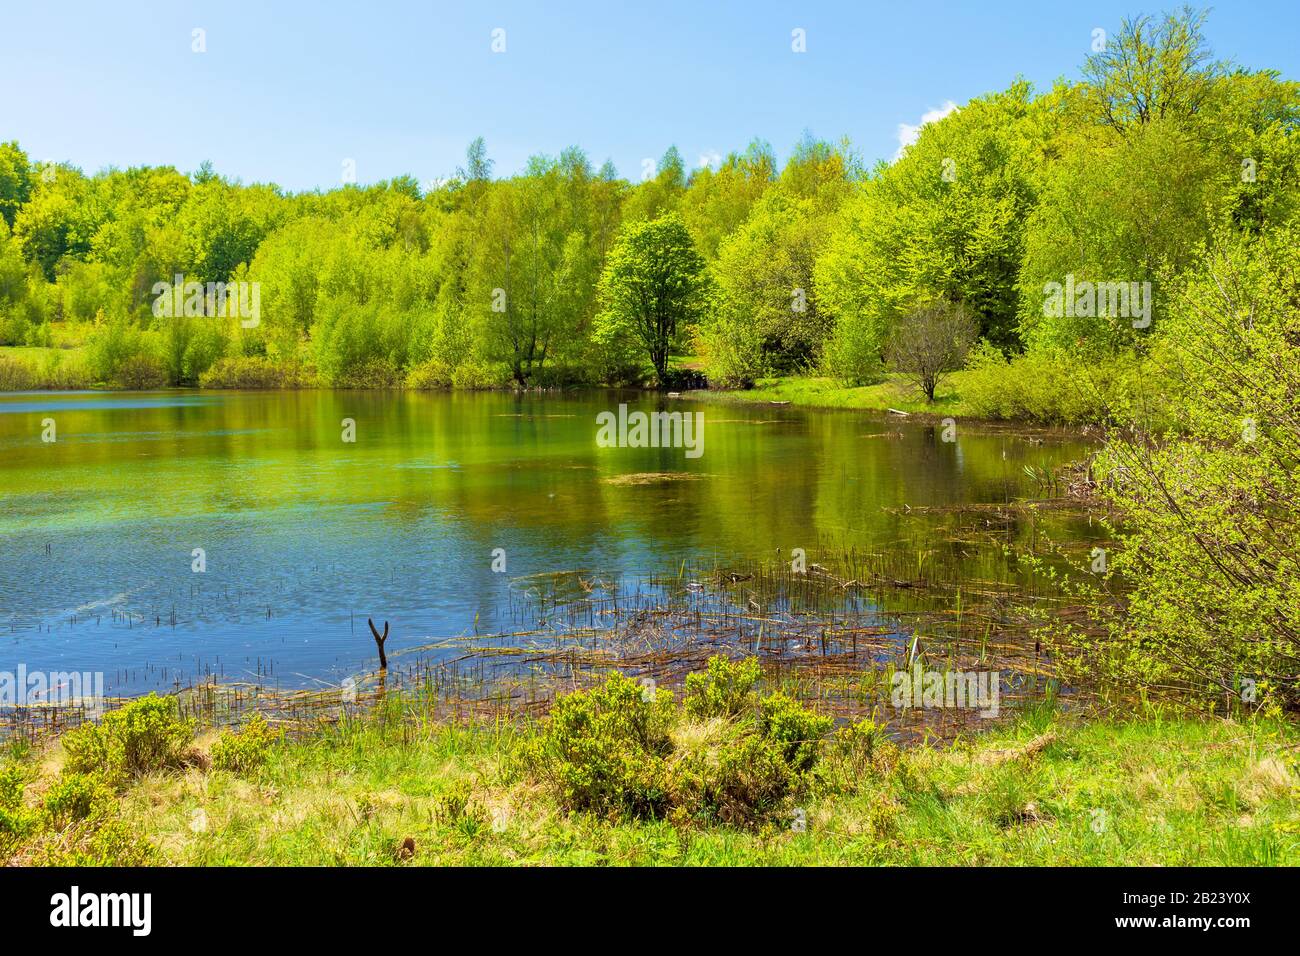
16,821
113,346
110,843
1210,530
797,730
562,275
726,689
74,798
360,345
247,749
1061,387
253,371
749,785
605,750
621,751
146,735
856,751
654,288
15,181
946,219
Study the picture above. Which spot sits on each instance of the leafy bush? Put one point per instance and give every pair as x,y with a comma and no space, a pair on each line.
76,797
604,750
246,749
1210,530
477,375
432,374
856,751
360,345
16,375
252,371
17,822
853,355
369,373
796,729
140,372
726,689
58,373
616,752
1057,387
145,736
750,783
107,843
110,346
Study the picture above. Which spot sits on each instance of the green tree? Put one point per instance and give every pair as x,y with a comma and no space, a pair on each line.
1151,70
946,220
654,288
1210,531
15,181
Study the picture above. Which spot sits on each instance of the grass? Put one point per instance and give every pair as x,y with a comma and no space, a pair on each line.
1045,790
24,368
36,354
817,392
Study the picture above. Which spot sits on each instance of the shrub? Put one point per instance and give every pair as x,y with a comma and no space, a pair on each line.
797,730
145,736
110,346
726,689
614,752
247,749
140,372
853,354
455,808
107,843
252,371
472,375
56,373
360,345
604,750
13,780
1056,387
434,373
369,373
752,782
16,375
17,822
856,751
1210,528
76,797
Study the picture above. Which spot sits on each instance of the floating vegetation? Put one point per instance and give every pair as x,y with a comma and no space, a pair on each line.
651,478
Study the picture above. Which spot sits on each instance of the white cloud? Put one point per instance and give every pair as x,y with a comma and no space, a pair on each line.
711,158
908,134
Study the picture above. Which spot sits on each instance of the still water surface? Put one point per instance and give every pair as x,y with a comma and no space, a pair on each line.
305,535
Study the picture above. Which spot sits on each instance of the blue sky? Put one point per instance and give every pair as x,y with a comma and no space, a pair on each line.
285,92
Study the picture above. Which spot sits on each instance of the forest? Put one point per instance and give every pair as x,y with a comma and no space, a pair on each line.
1073,313
1131,178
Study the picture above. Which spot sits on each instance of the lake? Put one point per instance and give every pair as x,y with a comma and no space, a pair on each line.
168,537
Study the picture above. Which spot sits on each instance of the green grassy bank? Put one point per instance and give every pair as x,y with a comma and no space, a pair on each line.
392,788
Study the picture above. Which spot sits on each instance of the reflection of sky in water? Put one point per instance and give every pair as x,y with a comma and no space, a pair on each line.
305,536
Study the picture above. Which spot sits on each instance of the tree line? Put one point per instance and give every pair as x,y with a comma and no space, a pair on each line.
570,274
